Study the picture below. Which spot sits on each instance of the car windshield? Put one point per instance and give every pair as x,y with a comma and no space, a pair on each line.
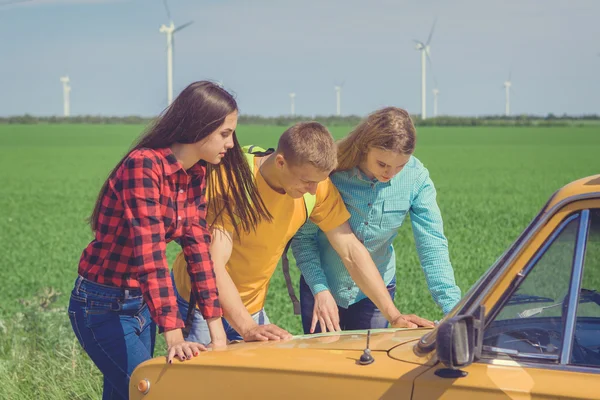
427,342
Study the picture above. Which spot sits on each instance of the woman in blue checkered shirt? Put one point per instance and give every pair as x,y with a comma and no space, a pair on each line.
381,183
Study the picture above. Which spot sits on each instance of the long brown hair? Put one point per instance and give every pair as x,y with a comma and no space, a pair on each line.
197,112
389,128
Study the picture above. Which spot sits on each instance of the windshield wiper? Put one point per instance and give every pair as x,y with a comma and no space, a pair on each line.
516,353
586,296
499,350
528,298
534,311
589,296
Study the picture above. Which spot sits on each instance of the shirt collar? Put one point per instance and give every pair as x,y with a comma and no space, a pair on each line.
172,165
357,173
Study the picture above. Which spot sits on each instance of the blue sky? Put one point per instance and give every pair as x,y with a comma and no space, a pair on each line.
263,50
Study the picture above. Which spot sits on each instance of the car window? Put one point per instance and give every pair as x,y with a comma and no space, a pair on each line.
530,321
586,344
427,342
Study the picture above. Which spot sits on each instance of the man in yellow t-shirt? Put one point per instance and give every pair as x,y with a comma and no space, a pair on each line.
305,156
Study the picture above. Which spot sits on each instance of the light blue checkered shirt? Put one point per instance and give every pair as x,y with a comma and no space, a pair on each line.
377,210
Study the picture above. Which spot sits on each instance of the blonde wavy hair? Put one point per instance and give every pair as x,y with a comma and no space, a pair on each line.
390,128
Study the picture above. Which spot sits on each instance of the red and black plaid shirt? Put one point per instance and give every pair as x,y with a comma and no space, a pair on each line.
151,200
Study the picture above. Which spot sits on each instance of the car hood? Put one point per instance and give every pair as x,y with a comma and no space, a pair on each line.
380,340
322,364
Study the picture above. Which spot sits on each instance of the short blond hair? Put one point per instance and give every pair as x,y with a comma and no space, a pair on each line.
389,128
308,142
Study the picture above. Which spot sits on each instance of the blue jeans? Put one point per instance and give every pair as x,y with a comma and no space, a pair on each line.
114,327
361,315
199,332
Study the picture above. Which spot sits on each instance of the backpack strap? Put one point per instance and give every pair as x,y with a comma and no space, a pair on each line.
309,204
310,200
257,150
285,266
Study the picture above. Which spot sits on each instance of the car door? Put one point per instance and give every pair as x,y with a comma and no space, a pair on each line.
541,338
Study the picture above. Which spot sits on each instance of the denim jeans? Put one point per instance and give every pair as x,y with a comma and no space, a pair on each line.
114,327
199,332
361,315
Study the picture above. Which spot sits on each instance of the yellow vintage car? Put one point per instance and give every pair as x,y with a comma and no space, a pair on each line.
529,328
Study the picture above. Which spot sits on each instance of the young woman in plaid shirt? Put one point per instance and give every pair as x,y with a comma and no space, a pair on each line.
155,194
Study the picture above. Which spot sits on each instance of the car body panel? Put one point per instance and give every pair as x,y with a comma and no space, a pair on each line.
406,353
507,380
581,187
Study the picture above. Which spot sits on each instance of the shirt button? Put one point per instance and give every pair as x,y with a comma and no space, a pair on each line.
370,204
179,218
181,190
366,223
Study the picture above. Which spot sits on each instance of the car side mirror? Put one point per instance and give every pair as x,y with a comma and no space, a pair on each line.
459,340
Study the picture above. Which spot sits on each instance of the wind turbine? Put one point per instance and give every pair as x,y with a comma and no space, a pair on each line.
66,95
338,99
507,86
425,51
170,30
292,104
435,102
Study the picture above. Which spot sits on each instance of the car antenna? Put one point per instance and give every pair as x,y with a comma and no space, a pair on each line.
366,358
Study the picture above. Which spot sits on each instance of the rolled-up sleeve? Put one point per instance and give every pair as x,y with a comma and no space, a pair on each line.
432,245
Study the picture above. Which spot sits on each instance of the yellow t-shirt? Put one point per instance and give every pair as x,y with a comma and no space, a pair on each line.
255,254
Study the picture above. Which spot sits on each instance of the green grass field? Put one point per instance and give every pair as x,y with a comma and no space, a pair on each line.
490,182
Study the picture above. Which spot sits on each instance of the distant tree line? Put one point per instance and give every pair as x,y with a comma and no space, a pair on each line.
350,120
517,120
79,119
